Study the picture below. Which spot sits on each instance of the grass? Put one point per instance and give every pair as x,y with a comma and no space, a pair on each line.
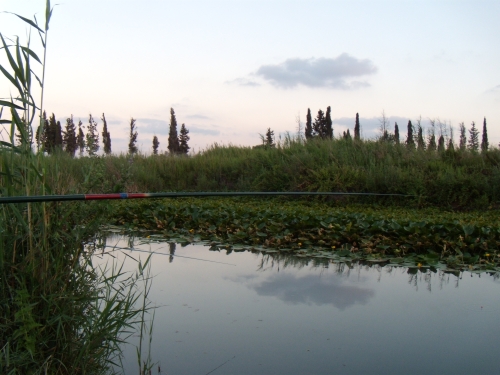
59,313
458,180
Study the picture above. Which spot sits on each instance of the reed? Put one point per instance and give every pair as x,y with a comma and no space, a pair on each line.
450,179
59,314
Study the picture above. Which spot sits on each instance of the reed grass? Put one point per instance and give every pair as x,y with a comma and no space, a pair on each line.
451,179
59,314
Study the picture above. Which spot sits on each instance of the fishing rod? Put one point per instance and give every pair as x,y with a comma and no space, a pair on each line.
91,197
167,254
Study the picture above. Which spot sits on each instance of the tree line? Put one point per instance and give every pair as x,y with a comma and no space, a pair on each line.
322,128
50,137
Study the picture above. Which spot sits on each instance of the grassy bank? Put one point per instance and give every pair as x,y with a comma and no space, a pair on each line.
450,179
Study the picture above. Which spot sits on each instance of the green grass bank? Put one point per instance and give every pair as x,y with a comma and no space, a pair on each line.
452,179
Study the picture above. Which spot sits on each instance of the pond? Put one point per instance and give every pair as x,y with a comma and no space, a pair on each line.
252,313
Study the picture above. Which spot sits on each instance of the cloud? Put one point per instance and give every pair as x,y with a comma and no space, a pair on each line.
493,90
313,290
322,72
243,82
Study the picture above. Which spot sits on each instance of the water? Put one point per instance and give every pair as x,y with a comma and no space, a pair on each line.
250,314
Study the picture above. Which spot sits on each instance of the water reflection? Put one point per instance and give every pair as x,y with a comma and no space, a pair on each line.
273,314
313,290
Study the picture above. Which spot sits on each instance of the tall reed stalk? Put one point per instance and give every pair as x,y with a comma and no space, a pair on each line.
58,313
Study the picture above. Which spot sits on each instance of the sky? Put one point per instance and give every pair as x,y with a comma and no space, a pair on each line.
233,69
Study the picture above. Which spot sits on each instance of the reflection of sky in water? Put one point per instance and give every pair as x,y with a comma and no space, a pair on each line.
312,290
304,320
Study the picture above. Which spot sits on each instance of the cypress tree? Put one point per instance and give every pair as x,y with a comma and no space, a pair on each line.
440,146
451,146
69,137
309,129
328,123
410,142
420,137
432,142
473,138
52,137
156,143
183,140
106,137
396,133
463,137
92,137
269,141
357,129
41,132
431,137
58,140
173,140
80,139
319,125
132,148
484,142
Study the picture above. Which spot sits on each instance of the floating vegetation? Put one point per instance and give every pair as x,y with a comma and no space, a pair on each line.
393,236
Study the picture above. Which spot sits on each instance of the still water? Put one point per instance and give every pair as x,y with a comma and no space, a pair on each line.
246,313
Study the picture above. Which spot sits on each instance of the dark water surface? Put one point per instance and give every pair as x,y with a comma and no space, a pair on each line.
259,315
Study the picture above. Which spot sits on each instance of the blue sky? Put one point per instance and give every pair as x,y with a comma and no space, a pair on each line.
231,69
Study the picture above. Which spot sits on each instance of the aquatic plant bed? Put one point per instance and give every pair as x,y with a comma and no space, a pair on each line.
389,235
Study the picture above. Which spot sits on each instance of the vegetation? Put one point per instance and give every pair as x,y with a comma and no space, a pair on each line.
428,237
60,314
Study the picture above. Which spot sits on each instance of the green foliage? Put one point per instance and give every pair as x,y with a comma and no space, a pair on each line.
451,179
59,313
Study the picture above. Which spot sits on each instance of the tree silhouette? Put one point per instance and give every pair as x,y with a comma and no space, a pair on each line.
132,148
69,137
156,143
309,129
463,137
80,139
396,133
319,125
173,140
106,137
484,142
473,138
269,141
328,131
92,137
410,142
357,129
183,140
